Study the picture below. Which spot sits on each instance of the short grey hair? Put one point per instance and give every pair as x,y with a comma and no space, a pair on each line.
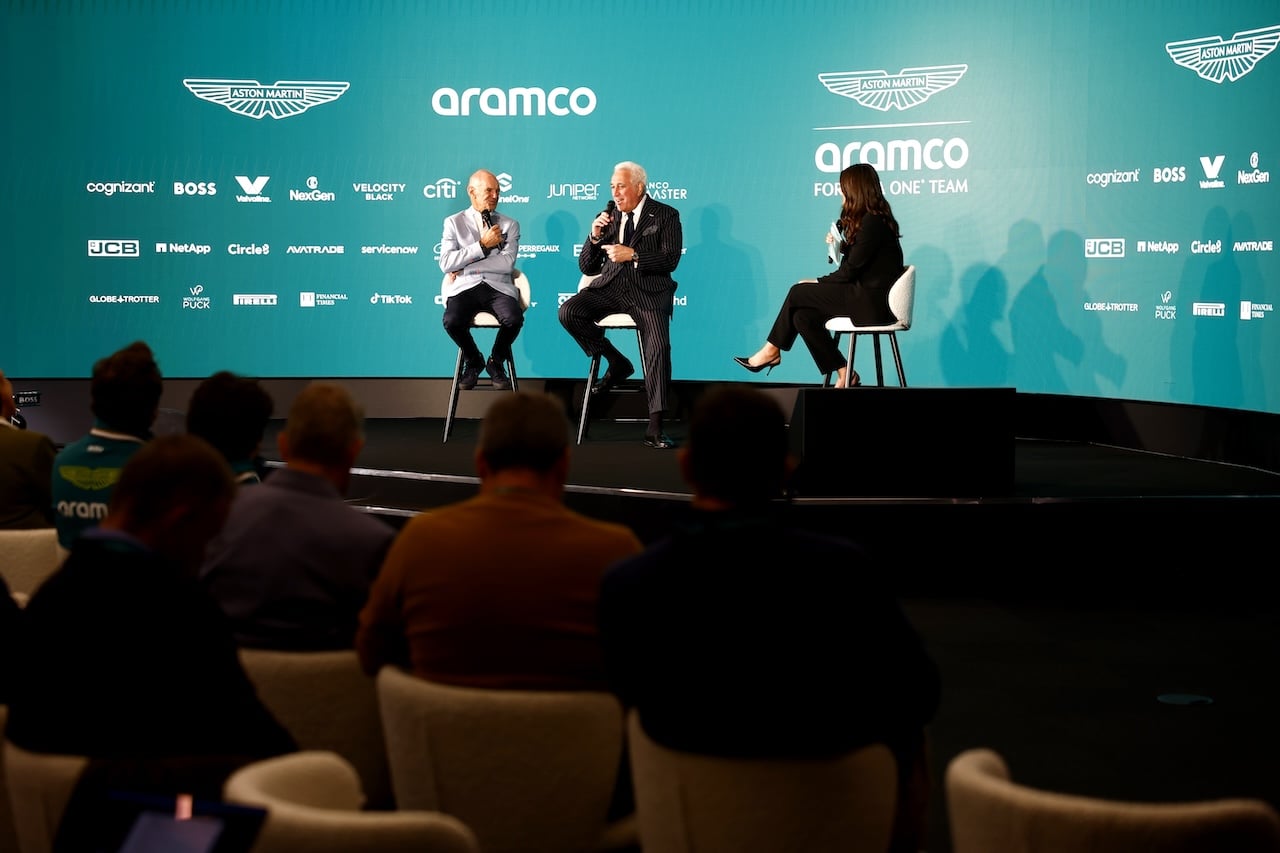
638,174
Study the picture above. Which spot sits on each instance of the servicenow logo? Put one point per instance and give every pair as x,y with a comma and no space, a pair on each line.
518,101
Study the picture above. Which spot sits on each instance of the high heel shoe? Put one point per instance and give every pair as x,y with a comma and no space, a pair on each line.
756,368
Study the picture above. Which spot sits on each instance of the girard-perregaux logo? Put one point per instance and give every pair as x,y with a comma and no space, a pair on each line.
250,98
1217,59
881,90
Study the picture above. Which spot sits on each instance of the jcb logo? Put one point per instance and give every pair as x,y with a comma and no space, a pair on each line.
1104,247
114,249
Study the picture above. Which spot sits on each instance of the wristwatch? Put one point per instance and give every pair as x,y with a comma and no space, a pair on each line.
635,259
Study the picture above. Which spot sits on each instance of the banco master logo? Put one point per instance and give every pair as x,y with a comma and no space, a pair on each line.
881,90
1218,59
250,98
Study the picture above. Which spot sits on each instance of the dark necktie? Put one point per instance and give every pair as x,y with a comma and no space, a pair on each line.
627,230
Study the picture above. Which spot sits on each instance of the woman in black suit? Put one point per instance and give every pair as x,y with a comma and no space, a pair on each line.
859,288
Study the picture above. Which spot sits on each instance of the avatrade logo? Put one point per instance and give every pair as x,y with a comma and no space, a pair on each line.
115,248
505,185
1167,309
253,189
250,98
1212,166
519,101
1104,247
881,90
196,302
1218,59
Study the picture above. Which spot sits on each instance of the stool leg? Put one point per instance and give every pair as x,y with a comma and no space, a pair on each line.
897,359
586,397
453,397
879,365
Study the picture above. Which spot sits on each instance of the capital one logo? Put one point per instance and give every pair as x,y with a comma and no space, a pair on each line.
283,99
882,91
1217,59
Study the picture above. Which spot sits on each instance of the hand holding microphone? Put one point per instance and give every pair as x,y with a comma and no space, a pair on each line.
492,232
602,221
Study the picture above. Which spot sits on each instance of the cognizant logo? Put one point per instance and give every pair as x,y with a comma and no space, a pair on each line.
521,100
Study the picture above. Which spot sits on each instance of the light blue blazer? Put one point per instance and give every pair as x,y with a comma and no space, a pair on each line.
461,252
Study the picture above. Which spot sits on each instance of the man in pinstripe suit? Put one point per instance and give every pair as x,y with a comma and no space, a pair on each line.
633,248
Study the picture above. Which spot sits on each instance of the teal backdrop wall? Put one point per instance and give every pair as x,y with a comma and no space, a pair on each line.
1084,187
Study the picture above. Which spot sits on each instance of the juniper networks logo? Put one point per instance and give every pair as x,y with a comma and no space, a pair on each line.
1217,59
883,91
283,99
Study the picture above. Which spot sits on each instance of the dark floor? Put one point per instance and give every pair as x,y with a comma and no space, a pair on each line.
1070,617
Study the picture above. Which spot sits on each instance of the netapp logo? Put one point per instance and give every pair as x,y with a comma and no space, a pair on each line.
250,98
443,188
390,299
183,248
1165,310
520,100
311,193
1218,59
316,250
252,189
196,302
881,90
113,187
1212,166
1161,247
253,299
114,248
1104,247
1254,310
195,188
895,155
378,191
1208,309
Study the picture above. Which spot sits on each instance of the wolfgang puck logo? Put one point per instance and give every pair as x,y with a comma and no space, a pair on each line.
282,99
883,91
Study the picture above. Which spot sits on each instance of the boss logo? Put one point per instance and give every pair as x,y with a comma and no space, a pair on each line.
114,248
195,188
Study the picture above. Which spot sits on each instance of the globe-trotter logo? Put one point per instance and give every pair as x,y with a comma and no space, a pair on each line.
282,99
1218,59
881,90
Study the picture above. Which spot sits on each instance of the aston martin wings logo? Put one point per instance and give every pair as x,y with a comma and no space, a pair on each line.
881,90
87,478
250,98
1216,59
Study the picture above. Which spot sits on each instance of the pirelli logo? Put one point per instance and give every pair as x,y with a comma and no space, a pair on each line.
253,299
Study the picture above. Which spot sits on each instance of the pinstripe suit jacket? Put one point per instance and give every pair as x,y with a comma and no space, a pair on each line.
658,239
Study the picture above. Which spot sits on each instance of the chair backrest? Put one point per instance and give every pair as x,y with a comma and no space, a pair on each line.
40,786
902,297
989,813
687,803
526,770
27,557
313,801
326,702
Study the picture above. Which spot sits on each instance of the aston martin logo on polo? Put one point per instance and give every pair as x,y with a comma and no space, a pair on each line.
881,90
250,98
1218,59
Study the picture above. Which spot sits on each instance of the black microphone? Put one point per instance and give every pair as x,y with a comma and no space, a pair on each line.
485,217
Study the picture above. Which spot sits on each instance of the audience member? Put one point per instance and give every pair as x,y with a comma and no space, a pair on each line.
499,590
231,412
293,564
125,399
742,635
124,658
26,469
10,613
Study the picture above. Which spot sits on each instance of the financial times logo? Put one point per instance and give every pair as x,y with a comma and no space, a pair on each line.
114,248
283,99
883,91
1217,59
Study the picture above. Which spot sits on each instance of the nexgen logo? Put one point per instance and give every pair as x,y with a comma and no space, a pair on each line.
253,187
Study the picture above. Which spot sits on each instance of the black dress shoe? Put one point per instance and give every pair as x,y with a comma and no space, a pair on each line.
659,442
613,377
497,375
470,376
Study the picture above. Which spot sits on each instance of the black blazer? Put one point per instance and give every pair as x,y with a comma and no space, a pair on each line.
871,264
659,240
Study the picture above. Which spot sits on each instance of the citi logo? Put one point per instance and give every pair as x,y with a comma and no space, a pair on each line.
283,99
443,188
1212,168
115,249
1217,59
1104,247
252,189
518,101
883,91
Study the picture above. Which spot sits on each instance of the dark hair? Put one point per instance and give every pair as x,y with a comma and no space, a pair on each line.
168,471
324,422
231,413
125,389
863,194
524,430
738,446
